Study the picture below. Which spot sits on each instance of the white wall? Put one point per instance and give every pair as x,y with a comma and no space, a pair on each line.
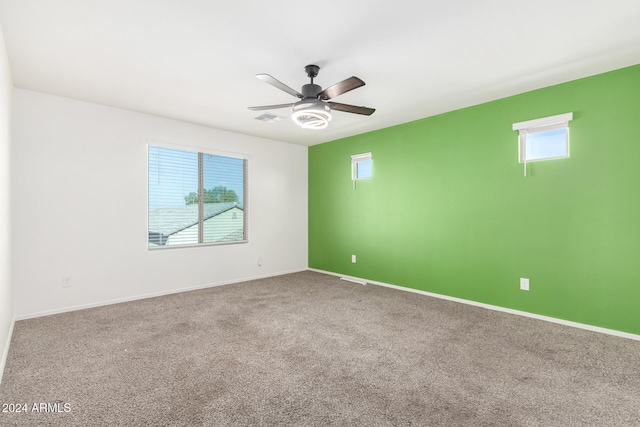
6,303
79,207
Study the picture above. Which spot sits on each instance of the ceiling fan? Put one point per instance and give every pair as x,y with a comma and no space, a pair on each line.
313,110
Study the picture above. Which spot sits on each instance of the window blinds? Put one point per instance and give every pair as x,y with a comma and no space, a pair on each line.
195,198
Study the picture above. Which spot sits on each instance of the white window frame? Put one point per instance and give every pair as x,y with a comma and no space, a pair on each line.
359,158
202,152
545,124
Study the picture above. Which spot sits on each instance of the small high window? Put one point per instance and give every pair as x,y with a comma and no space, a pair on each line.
362,166
544,139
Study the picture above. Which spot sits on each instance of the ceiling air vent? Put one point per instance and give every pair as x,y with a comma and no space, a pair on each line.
269,118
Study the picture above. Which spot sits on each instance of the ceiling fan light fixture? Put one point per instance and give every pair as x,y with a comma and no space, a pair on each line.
311,114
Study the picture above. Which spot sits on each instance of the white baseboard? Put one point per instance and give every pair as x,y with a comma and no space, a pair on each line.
489,306
5,353
357,279
150,295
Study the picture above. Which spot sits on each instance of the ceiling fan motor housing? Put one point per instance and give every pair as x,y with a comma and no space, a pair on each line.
310,91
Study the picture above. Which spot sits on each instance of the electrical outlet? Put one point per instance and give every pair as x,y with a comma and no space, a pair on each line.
353,259
259,262
66,281
524,284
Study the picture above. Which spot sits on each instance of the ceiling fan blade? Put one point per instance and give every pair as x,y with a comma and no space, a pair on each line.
270,107
340,88
277,83
365,111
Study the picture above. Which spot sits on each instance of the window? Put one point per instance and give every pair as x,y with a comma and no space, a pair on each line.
195,198
362,166
544,139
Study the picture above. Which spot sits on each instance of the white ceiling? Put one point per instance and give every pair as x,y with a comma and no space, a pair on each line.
195,60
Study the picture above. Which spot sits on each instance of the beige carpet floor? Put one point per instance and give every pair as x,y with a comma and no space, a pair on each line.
309,349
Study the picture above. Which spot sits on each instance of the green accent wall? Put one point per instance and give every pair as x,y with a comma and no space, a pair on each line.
449,211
